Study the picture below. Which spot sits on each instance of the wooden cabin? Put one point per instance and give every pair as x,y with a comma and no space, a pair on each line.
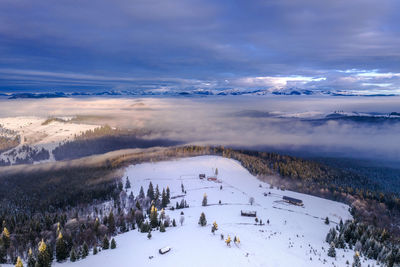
212,178
248,213
293,201
164,250
202,176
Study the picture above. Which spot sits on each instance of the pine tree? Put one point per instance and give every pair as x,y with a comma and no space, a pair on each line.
150,192
214,227
228,241
79,253
384,235
43,257
149,235
19,263
157,195
127,183
31,262
183,188
138,207
5,238
153,217
50,252
326,220
85,250
164,200
120,186
73,257
106,243
113,244
95,250
332,250
162,228
144,227
168,195
356,262
111,223
173,223
331,235
204,202
96,226
141,193
237,240
202,220
3,253
182,204
61,248
216,171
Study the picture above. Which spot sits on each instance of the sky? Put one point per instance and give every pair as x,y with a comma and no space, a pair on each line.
69,45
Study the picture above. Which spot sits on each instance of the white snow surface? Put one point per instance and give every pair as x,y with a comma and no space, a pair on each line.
295,235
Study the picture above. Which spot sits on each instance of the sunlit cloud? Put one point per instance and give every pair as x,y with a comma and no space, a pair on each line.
276,82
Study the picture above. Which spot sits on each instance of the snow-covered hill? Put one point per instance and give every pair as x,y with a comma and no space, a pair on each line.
295,235
40,133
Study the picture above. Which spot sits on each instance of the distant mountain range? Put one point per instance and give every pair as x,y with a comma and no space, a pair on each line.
187,93
320,118
393,117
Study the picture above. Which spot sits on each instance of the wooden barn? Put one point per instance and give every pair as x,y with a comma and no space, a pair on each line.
293,201
248,213
212,178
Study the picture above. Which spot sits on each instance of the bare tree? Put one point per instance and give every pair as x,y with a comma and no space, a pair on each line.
251,200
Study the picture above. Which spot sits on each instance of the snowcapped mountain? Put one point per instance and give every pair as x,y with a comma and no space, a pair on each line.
191,93
285,234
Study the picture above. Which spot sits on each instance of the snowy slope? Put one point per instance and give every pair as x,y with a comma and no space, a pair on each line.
38,135
294,237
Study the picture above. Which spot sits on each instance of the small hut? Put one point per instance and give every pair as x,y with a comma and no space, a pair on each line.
248,213
202,176
164,250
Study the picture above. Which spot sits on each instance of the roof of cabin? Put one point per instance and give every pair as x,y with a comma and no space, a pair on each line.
292,199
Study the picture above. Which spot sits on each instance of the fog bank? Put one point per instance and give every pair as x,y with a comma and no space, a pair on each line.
279,122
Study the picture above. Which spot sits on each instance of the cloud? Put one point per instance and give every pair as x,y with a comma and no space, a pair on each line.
206,41
276,122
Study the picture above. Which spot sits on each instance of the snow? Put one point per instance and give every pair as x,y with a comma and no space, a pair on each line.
37,135
295,234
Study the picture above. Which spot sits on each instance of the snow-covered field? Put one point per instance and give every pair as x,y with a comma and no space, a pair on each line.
35,134
295,236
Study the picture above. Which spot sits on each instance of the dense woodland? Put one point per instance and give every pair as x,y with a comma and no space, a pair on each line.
68,199
105,139
50,120
367,240
26,155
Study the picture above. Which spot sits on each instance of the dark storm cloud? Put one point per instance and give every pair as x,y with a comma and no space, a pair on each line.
196,44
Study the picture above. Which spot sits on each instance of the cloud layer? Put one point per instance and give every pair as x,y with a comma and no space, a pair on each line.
199,44
251,122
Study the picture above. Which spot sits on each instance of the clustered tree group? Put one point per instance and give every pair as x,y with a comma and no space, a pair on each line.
366,240
71,234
